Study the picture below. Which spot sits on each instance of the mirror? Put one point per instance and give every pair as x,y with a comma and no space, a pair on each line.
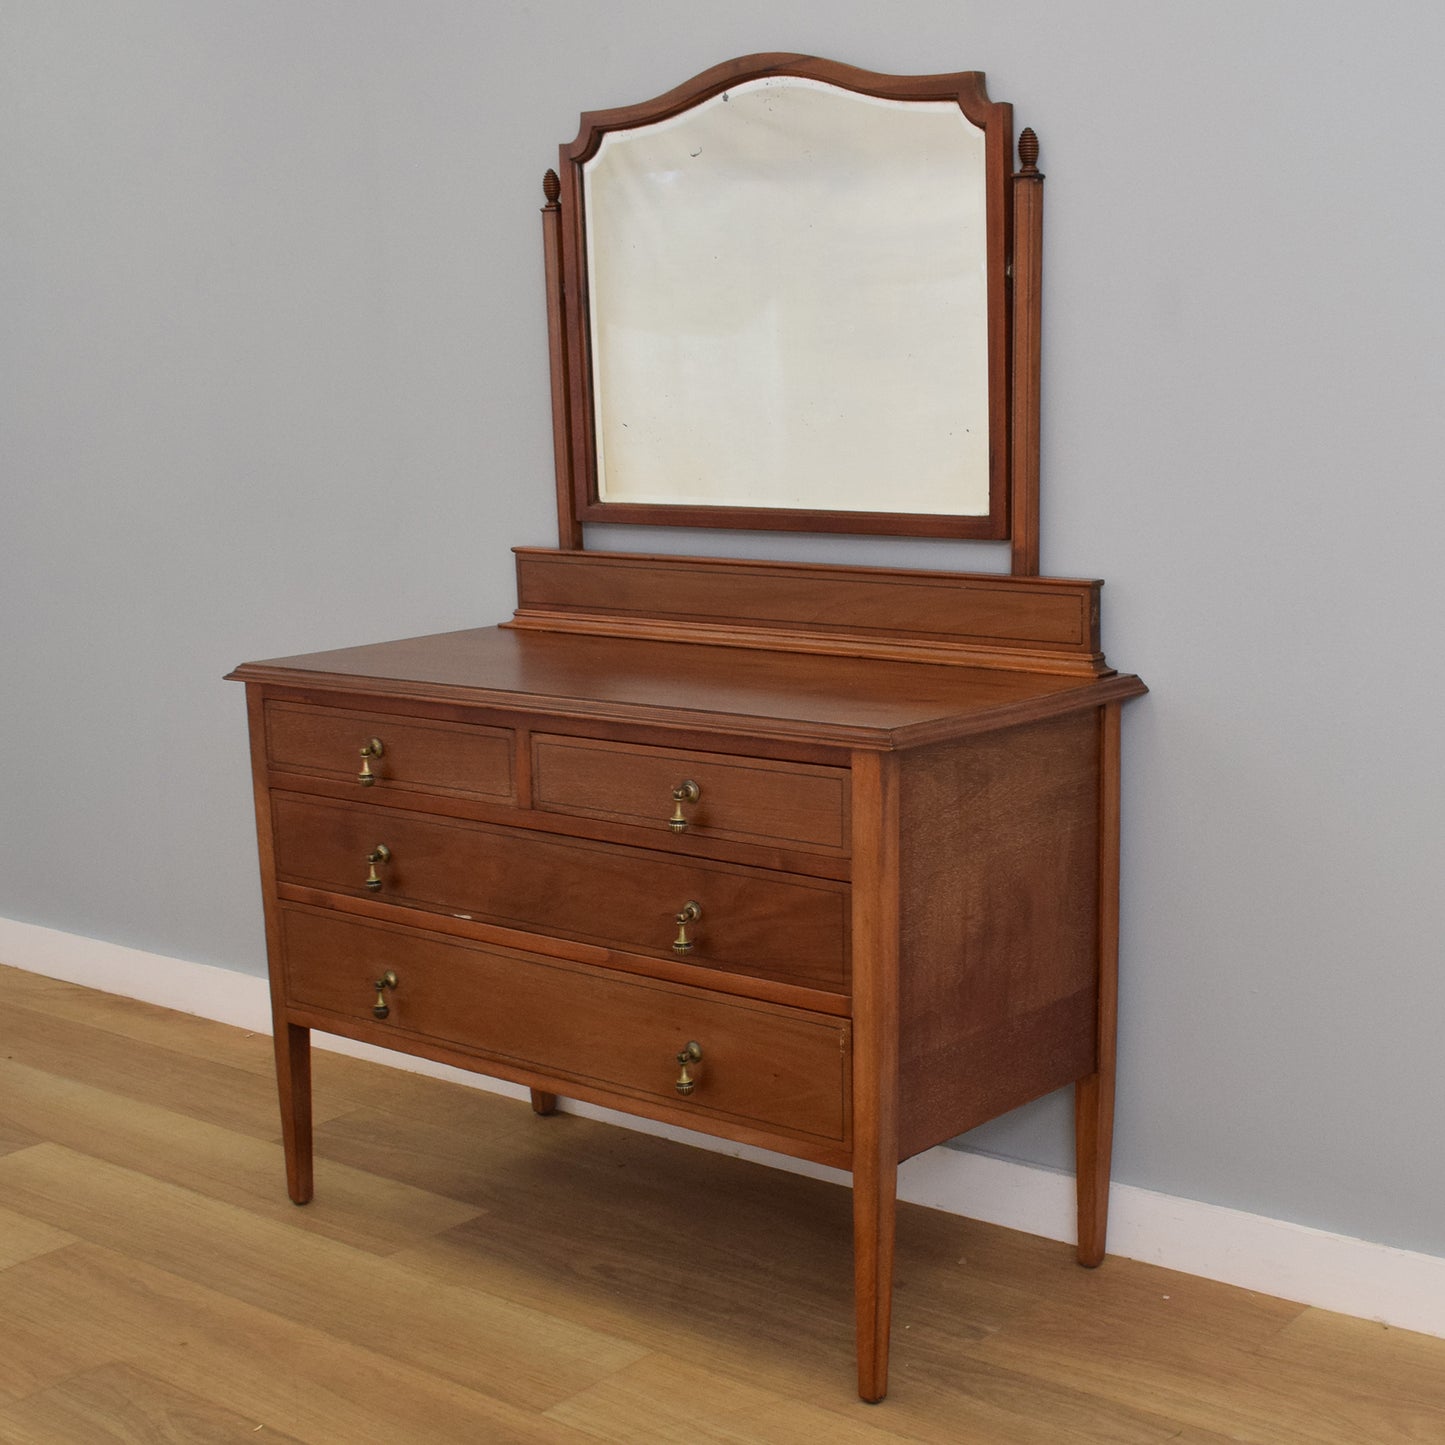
780,301
786,306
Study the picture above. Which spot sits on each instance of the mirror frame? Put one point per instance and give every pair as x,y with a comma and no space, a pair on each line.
1011,406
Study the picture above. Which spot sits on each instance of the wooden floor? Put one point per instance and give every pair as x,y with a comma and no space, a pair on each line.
471,1273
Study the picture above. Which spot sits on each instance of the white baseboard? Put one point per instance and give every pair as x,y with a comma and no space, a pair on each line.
1271,1256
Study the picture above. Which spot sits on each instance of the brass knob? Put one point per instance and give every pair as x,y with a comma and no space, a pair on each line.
388,980
687,792
380,854
373,749
690,1054
691,912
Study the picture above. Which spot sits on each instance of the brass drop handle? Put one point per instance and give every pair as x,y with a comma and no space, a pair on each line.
691,912
380,854
373,749
687,792
690,1054
388,980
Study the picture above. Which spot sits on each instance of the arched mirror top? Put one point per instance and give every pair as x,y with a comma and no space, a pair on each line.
780,299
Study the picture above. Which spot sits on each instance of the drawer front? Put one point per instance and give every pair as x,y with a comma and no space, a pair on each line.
766,925
782,1068
749,800
416,755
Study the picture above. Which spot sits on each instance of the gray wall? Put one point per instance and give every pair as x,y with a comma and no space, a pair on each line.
275,380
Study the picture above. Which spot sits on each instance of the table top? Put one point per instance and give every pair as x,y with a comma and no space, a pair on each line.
859,702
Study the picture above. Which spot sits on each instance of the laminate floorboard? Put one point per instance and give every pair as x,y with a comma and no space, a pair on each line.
471,1273
366,1210
124,1403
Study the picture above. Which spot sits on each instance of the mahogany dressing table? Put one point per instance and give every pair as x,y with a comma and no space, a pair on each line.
814,857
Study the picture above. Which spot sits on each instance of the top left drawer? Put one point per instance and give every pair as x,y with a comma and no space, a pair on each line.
378,753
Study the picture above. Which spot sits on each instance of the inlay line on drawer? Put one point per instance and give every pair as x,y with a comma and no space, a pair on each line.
382,753
787,927
782,1068
703,794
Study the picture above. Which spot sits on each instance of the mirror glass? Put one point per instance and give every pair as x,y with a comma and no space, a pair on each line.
789,304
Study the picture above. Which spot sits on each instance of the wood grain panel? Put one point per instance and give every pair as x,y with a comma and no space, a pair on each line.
774,1067
1035,617
999,918
792,930
740,690
419,755
740,799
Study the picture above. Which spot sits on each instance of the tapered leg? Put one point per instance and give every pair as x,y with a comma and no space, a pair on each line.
874,1060
1094,1096
1093,1139
875,1194
293,1084
543,1103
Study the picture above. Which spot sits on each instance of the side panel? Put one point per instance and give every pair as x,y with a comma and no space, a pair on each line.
998,977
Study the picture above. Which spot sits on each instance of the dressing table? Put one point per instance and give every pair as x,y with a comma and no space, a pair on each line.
814,857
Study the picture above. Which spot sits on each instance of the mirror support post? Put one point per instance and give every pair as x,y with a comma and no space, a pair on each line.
1028,203
569,529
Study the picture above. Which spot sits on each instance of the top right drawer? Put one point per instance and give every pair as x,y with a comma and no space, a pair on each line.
705,795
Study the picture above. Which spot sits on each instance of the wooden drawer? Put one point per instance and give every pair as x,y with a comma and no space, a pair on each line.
780,1068
418,755
768,925
749,800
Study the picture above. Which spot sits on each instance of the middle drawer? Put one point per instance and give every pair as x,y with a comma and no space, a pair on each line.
782,927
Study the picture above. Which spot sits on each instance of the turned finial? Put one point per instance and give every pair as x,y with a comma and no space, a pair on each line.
552,187
1028,151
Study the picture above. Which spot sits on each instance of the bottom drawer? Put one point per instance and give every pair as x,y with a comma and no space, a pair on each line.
767,1065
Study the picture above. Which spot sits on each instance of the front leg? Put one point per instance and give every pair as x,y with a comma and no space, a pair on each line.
875,1204
875,920
293,1084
